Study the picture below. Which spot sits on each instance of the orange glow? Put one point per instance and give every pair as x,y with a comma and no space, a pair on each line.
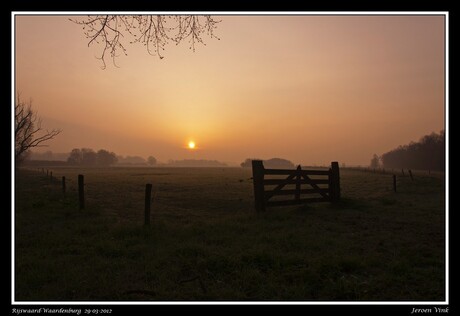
311,89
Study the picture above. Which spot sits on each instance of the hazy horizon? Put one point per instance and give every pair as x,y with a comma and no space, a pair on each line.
311,89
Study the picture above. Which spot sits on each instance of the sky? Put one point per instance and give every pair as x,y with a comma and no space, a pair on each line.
311,89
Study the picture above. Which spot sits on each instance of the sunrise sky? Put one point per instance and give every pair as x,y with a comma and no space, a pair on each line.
312,89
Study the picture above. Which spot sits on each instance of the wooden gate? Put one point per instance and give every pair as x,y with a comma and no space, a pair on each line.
324,184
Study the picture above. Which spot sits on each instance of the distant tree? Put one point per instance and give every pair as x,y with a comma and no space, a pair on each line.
247,163
28,132
428,154
131,160
89,156
75,157
49,156
152,31
375,161
152,160
106,158
278,163
270,163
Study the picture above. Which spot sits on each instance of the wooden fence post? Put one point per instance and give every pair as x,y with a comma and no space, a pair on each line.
331,185
402,171
148,200
258,180
394,182
335,174
297,184
410,174
81,193
51,176
63,185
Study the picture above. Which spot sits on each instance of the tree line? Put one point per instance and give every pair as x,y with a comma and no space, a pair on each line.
426,154
88,157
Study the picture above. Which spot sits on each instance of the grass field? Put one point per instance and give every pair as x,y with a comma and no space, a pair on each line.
206,242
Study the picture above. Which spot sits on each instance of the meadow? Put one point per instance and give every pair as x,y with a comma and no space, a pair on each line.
207,243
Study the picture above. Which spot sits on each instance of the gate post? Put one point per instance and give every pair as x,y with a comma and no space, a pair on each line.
258,180
334,182
297,184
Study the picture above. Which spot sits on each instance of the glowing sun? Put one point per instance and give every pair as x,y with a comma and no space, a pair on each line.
191,145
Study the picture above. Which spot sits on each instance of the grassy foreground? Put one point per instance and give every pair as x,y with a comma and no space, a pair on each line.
206,242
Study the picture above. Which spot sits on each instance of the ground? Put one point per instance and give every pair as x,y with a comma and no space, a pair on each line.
206,242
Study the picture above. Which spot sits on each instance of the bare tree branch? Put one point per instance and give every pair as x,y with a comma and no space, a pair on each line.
152,31
28,130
